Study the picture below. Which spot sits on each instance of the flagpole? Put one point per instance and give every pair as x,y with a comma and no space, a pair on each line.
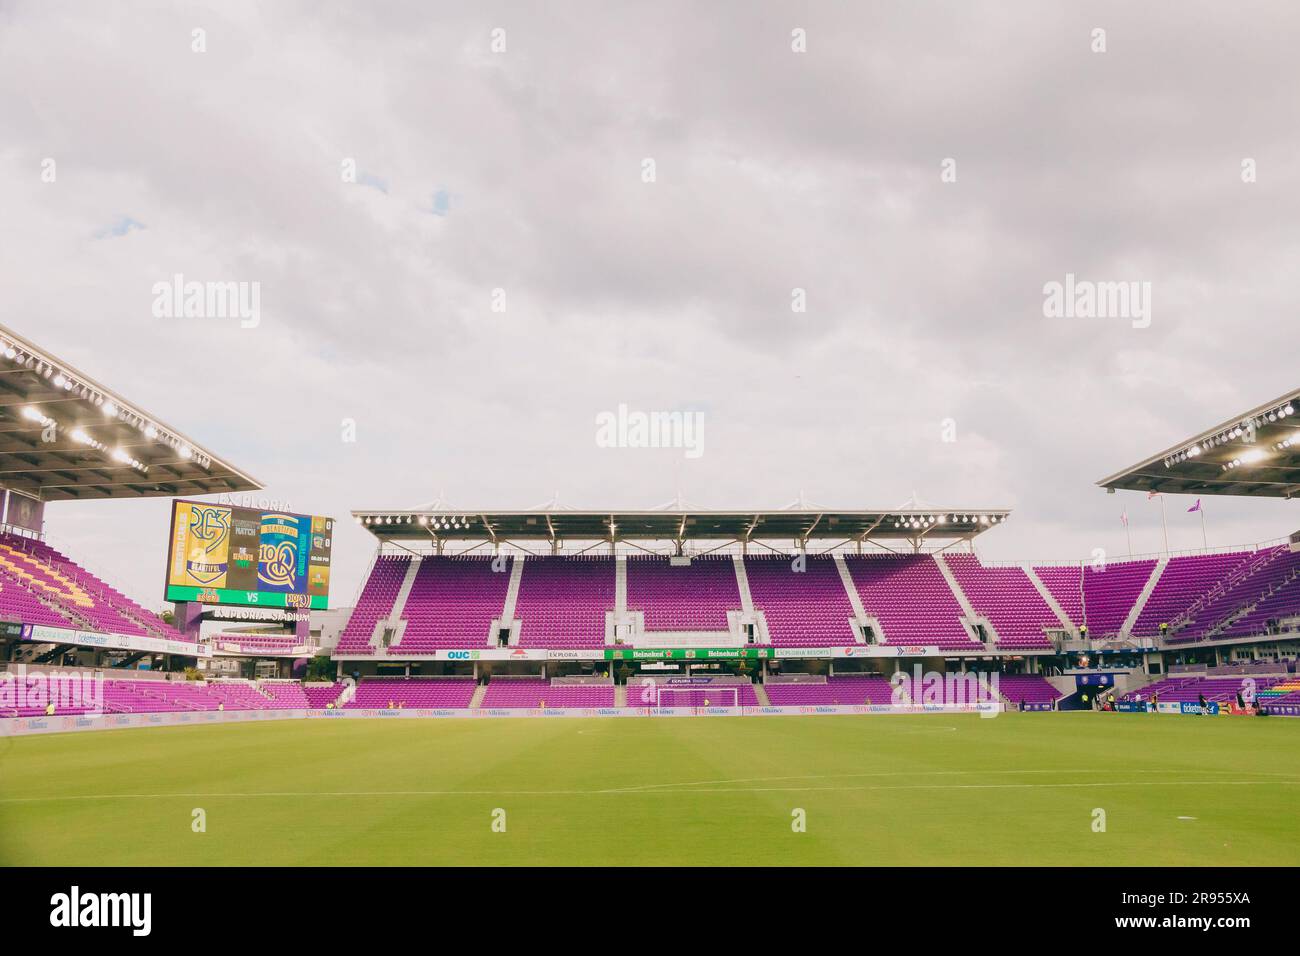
1128,533
1204,545
1164,523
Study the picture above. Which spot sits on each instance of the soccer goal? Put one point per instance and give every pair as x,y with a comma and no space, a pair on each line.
717,695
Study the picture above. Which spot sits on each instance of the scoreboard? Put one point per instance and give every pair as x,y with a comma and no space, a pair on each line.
222,554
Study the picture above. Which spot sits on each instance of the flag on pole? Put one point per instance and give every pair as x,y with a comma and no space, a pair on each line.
1152,494
1195,507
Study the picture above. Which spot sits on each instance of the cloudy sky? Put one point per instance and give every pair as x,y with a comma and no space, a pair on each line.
390,174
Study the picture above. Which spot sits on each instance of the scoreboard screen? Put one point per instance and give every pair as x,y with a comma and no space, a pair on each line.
222,554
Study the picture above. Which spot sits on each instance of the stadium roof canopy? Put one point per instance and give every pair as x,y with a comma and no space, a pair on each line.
802,524
64,436
1255,453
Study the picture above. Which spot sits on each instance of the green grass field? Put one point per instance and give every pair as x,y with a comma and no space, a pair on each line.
1017,789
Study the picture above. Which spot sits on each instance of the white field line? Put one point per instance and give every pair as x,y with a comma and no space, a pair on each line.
698,787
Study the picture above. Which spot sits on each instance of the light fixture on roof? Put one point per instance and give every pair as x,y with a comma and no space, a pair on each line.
34,414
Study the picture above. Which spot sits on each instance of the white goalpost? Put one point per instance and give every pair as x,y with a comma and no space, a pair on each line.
716,695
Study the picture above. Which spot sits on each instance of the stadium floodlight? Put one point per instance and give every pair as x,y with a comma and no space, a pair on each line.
186,452
32,413
109,409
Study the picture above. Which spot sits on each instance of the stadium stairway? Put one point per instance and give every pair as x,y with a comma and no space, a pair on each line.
1048,597
620,695
972,616
1144,595
476,701
512,591
846,578
761,693
620,585
349,691
966,607
54,654
742,584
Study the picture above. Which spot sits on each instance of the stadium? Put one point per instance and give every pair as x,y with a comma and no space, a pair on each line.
454,457
720,667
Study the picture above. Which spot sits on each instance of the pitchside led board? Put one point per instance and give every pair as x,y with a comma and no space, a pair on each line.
221,554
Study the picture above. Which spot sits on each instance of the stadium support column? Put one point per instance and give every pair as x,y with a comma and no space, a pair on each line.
188,618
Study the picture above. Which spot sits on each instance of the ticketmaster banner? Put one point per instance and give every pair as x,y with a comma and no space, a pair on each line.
42,634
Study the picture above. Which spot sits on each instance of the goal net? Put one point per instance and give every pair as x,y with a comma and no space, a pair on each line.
717,695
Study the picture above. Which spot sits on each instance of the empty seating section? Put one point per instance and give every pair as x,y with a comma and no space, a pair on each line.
840,690
533,692
1009,600
1110,591
1217,689
1280,598
146,696
693,597
1185,579
287,694
375,602
1285,691
19,604
80,599
1229,606
149,696
808,608
1030,688
379,693
911,598
322,695
562,601
452,604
